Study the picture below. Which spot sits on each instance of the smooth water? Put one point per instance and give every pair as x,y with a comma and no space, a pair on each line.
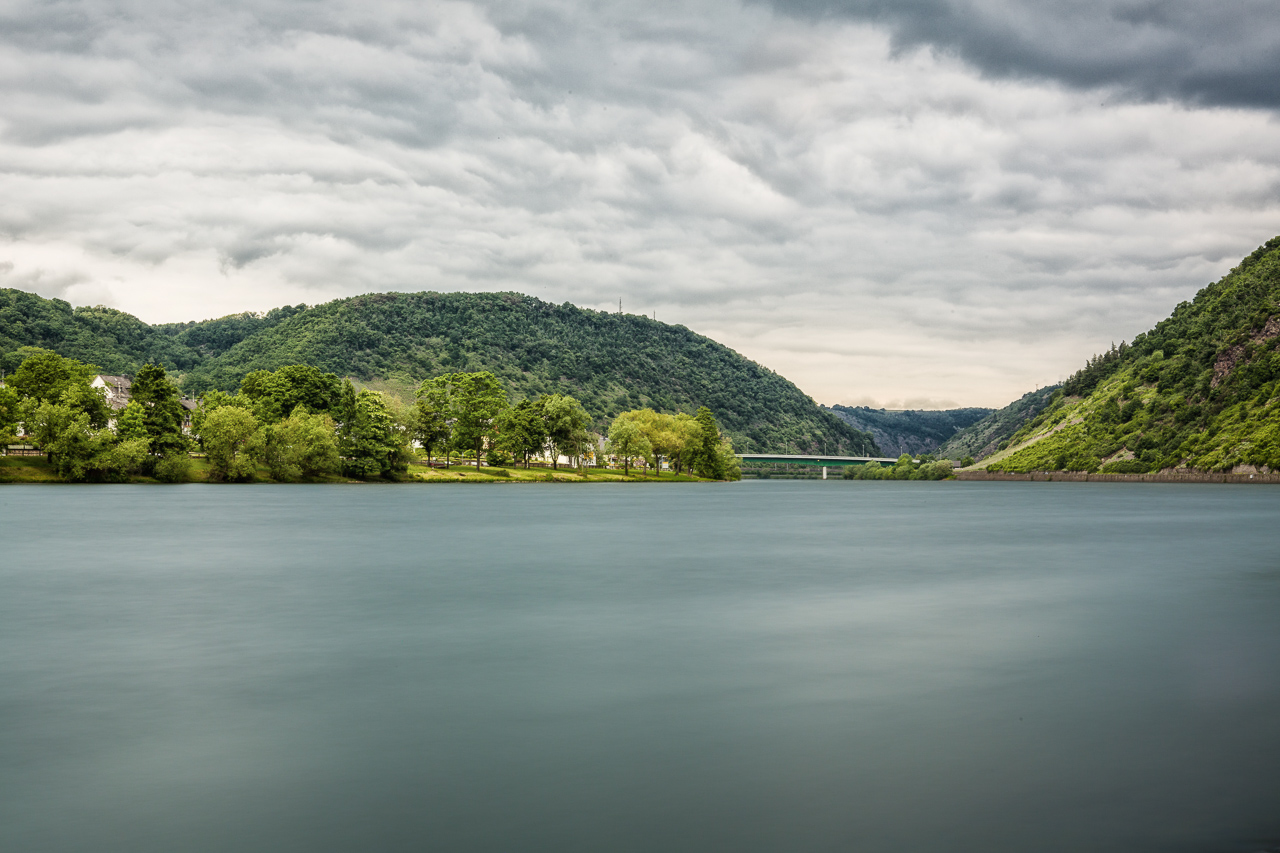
759,666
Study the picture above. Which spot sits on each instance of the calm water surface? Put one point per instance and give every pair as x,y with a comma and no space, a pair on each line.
762,666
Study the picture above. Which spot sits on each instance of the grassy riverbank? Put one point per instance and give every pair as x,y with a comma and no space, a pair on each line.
35,469
503,474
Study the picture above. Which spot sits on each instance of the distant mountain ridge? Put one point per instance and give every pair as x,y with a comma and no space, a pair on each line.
611,362
911,431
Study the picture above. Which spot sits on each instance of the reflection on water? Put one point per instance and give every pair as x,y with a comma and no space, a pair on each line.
761,666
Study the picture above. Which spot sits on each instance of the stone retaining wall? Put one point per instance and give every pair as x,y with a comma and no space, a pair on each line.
1158,477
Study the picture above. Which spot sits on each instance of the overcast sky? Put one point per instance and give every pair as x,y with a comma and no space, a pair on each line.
890,202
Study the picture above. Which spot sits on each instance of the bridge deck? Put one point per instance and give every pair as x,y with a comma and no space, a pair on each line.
812,460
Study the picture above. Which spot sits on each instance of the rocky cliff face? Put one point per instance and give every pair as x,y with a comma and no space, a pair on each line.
911,431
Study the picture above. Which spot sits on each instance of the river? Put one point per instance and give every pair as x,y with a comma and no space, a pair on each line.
761,666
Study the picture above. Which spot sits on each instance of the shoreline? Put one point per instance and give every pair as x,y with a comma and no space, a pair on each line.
1084,477
33,470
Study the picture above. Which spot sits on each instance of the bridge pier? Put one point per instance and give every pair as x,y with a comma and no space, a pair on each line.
824,472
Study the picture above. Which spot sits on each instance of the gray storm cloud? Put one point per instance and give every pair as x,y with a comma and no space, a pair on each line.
1221,53
873,213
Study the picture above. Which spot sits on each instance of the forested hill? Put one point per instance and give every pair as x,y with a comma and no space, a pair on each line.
611,362
986,436
1200,391
913,431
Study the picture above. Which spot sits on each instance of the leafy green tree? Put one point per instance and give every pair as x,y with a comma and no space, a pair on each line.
567,426
125,458
213,400
475,401
162,412
370,443
405,418
627,441
346,404
131,423
903,468
663,433
433,429
77,449
728,466
686,443
9,401
522,430
92,401
44,375
301,446
276,395
227,433
706,456
44,421
48,377
173,468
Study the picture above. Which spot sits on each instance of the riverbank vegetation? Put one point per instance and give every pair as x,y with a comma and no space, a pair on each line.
299,424
924,468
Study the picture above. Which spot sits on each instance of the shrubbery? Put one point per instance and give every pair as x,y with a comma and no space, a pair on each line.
925,468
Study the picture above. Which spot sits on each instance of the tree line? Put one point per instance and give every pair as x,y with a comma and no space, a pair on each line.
610,362
301,423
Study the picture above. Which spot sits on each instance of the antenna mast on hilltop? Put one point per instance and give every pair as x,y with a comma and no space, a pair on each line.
619,306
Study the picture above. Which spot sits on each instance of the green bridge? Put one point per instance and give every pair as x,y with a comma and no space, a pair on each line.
813,460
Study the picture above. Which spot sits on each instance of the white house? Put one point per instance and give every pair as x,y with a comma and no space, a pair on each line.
118,389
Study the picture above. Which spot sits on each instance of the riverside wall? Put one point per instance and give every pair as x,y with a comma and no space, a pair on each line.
1155,477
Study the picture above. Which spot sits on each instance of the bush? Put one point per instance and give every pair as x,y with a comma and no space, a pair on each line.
1126,466
498,458
174,468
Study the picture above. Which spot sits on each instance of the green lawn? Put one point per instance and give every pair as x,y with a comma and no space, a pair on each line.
512,474
26,469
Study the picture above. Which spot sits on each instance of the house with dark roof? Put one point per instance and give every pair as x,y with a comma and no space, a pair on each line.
118,389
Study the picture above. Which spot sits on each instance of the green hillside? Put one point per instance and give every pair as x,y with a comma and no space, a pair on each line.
986,436
1200,391
611,362
911,431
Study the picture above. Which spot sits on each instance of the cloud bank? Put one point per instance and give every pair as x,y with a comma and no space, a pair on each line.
1224,53
875,209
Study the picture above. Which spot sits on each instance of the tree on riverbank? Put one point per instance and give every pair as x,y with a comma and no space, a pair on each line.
371,445
567,425
162,414
276,395
227,435
302,446
688,442
9,415
627,441
475,400
433,417
522,430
